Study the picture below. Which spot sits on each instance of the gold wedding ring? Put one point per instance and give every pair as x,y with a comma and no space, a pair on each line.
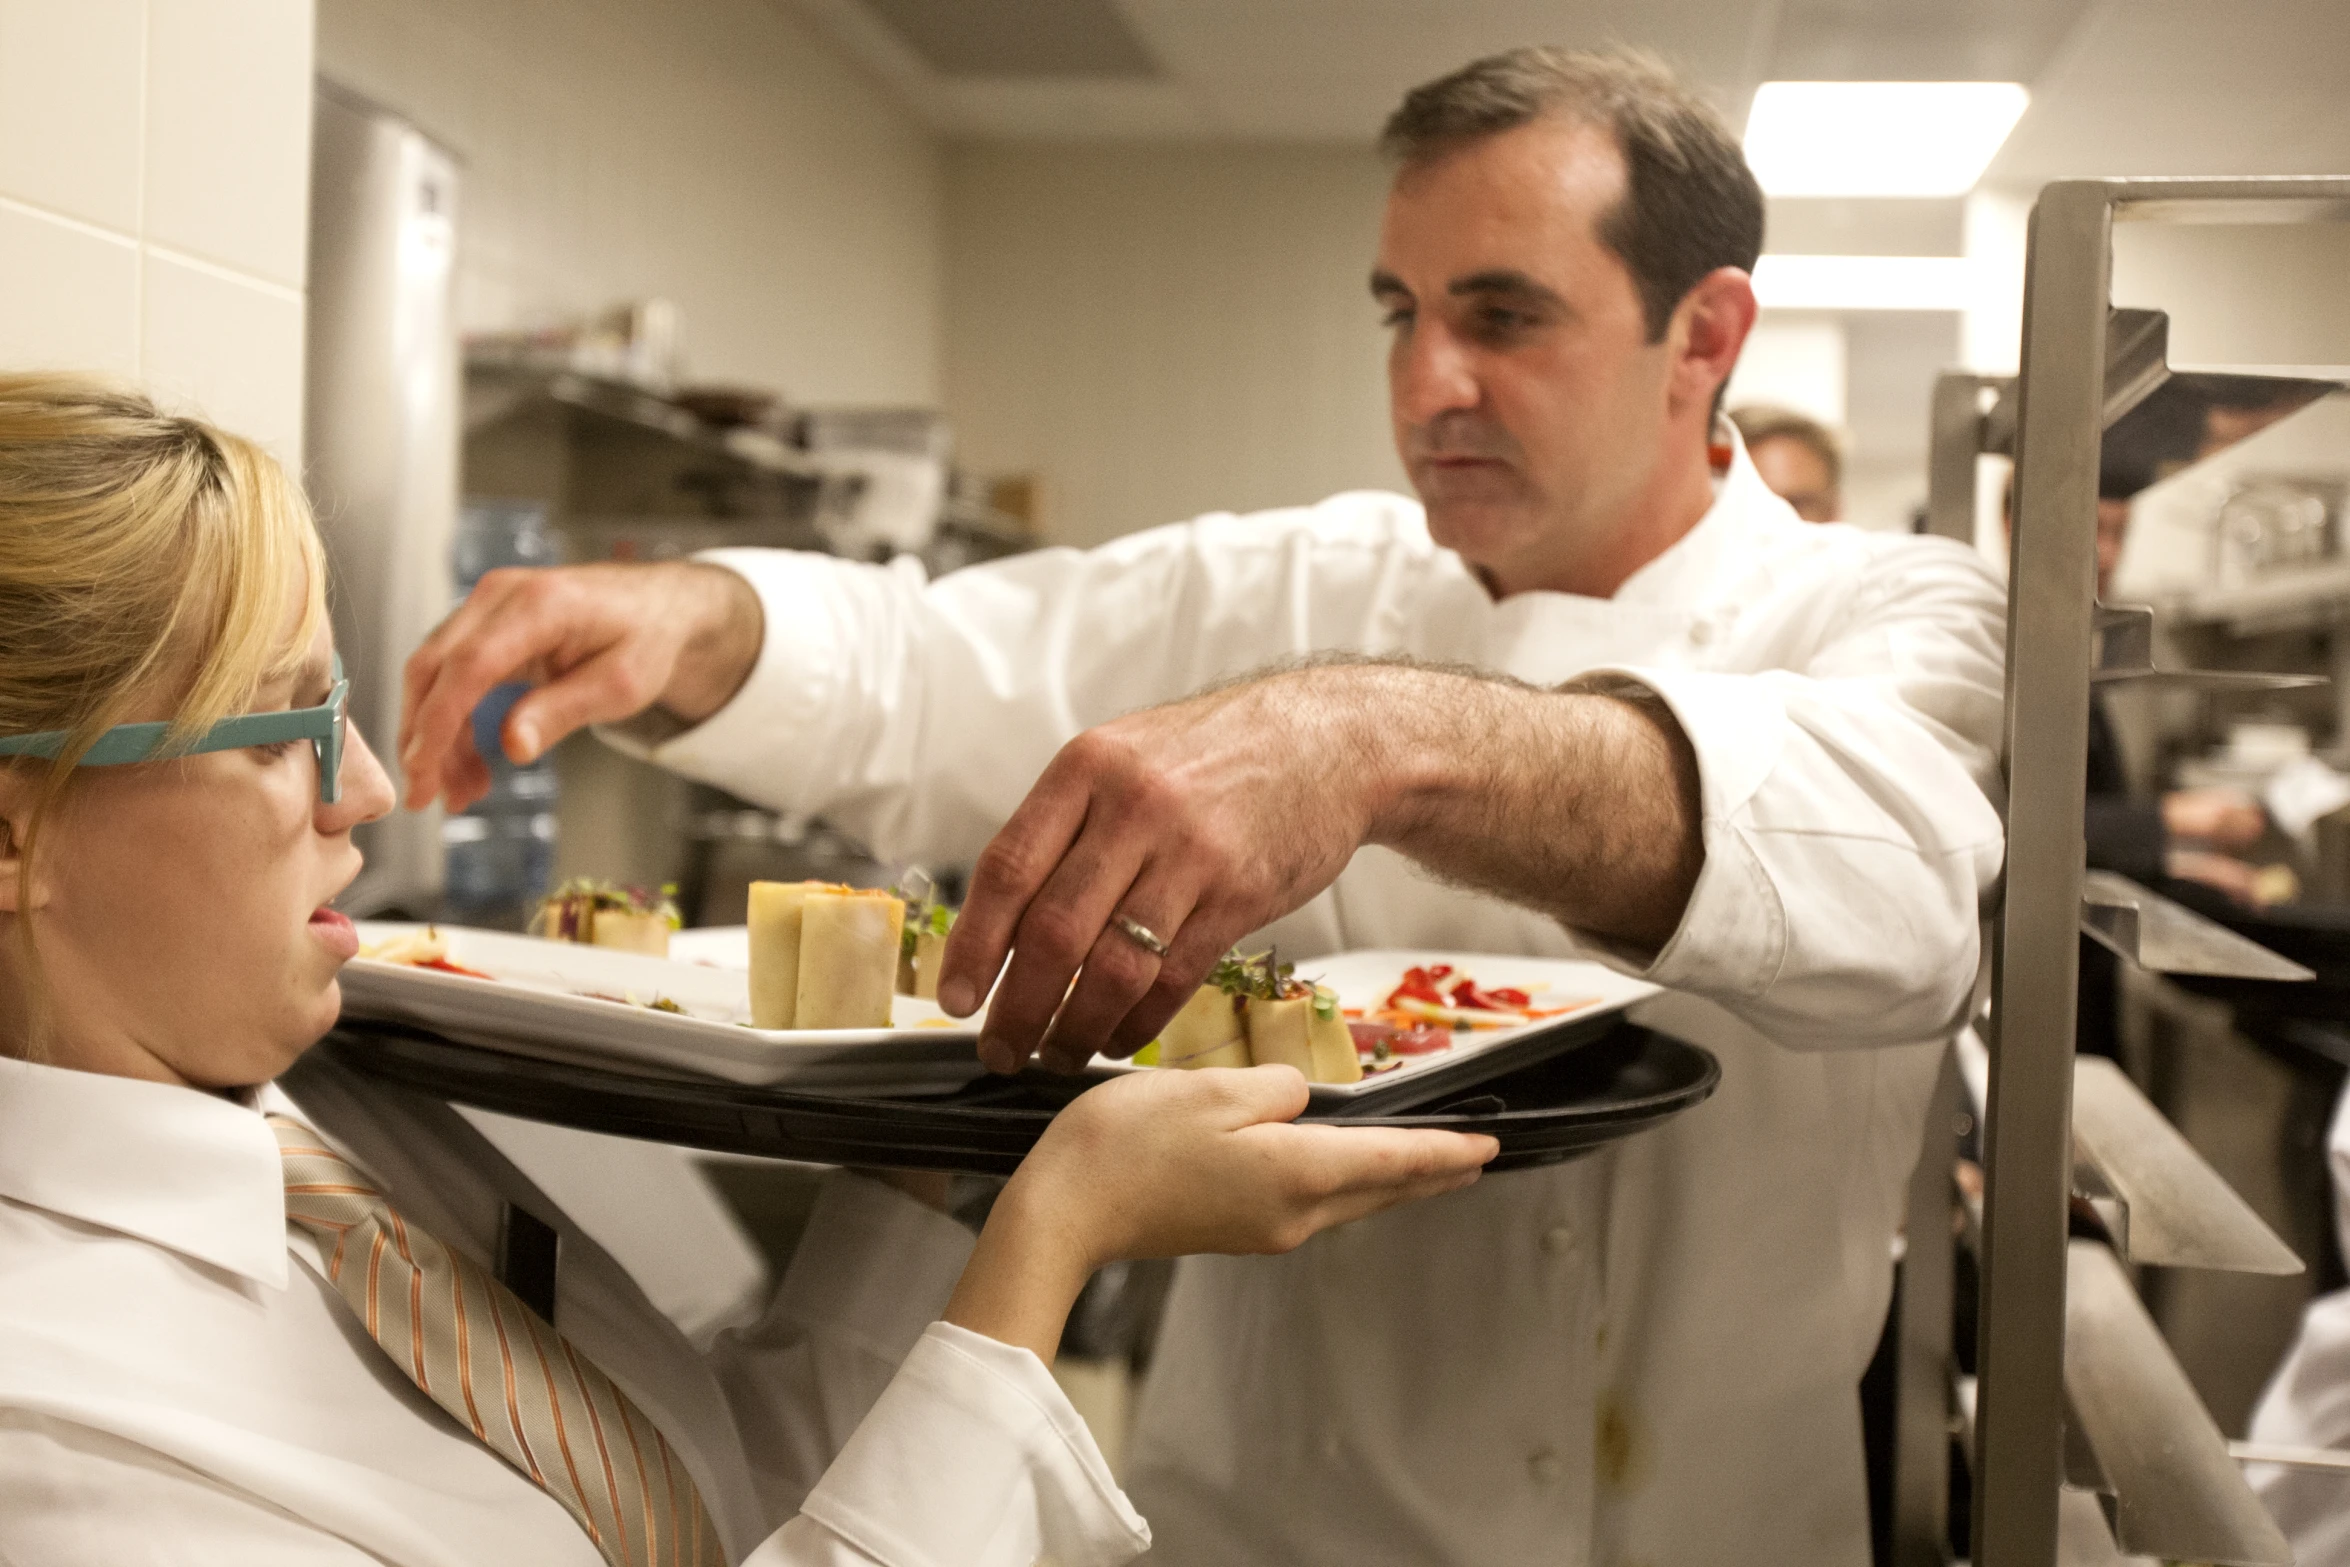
1140,934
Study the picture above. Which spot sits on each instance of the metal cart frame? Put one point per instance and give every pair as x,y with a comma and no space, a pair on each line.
2180,1495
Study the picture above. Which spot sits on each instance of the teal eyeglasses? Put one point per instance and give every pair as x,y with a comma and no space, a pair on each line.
323,726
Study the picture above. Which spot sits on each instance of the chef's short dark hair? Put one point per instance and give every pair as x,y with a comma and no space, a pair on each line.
1690,202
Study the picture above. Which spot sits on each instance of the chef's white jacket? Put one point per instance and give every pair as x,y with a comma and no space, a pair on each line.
2307,1403
179,1382
1647,1356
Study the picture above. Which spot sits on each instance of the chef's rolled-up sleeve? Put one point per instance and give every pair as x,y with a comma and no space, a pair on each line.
1848,813
915,712
825,692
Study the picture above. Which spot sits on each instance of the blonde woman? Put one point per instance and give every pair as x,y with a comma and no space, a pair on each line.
242,1324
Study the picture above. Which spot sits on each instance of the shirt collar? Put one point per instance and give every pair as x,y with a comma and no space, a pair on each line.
190,1171
1681,574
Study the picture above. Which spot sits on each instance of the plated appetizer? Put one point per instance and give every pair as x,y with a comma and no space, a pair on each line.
604,914
823,955
422,948
920,948
1254,1011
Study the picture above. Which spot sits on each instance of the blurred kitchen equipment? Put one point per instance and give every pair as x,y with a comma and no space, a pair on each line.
890,471
638,343
2273,524
381,408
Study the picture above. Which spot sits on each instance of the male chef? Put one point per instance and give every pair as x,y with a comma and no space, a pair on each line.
1596,692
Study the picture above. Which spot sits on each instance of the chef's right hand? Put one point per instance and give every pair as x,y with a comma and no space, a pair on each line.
600,644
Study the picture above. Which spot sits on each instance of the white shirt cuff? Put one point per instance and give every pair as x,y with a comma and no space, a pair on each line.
820,617
974,1458
1732,940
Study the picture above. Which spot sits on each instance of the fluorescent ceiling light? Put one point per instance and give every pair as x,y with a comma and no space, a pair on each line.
1864,282
1878,138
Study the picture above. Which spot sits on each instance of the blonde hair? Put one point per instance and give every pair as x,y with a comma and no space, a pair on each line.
141,554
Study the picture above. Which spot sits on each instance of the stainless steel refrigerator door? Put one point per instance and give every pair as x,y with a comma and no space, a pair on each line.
382,407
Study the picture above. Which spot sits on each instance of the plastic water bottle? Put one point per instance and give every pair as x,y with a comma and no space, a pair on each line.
501,850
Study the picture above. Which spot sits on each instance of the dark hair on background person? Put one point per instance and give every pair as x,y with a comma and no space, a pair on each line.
1690,204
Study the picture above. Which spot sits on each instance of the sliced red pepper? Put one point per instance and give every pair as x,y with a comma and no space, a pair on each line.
1419,984
1466,994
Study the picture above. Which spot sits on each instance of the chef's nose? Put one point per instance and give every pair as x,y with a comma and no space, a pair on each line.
1431,373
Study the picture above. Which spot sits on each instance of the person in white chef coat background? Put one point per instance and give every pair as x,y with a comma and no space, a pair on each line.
2307,1401
249,1322
1597,691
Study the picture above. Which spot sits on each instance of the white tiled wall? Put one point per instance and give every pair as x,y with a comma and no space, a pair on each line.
154,197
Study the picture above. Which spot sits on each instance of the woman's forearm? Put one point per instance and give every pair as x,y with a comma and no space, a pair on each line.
1023,1276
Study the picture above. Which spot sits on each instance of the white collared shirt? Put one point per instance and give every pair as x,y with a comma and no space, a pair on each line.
2307,1401
1650,1355
179,1381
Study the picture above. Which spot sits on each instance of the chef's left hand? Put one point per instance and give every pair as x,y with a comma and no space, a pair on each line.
1200,821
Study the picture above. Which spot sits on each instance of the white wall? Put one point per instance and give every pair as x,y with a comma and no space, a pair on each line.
714,152
1793,360
2241,296
1159,331
154,199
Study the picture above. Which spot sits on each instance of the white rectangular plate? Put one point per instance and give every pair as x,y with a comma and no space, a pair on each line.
543,1002
1364,979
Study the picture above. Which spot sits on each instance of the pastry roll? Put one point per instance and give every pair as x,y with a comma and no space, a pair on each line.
1294,1032
930,949
631,932
604,914
775,950
1207,1032
848,964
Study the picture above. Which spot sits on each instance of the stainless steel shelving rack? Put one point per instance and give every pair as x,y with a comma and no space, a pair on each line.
2075,1385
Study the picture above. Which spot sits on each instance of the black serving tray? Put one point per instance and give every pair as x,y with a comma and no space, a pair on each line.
1625,1081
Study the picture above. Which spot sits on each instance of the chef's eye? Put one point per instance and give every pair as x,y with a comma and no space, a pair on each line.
1499,321
1397,316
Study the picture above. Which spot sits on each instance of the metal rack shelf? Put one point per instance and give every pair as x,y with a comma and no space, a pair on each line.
2073,1378
2148,1450
2163,1205
2163,937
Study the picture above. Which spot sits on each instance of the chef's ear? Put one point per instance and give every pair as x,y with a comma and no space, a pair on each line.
16,813
1708,329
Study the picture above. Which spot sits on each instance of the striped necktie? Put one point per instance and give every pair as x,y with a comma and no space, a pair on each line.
497,1368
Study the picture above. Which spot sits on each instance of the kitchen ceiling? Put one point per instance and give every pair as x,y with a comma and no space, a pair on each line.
2119,86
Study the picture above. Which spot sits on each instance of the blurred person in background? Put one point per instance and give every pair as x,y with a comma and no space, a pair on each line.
1797,456
2307,1402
